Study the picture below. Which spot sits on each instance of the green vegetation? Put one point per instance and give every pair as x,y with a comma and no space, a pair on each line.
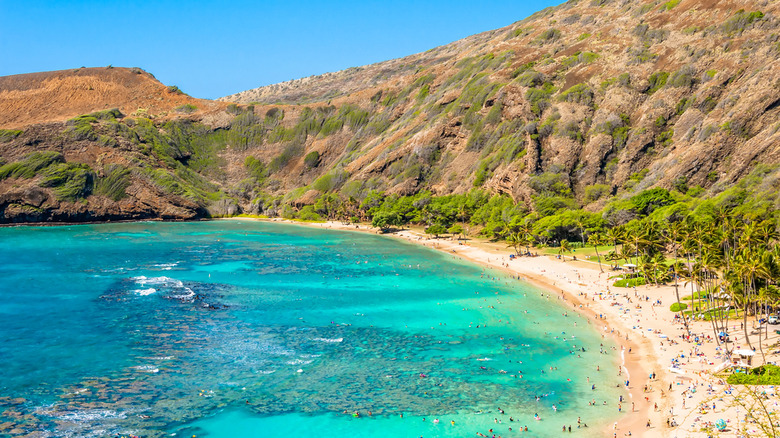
579,58
113,183
657,81
312,159
548,36
740,21
70,182
671,4
579,93
7,135
630,282
762,375
31,165
678,307
539,98
187,108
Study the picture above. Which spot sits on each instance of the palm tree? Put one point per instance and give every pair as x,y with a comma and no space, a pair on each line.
514,240
526,231
597,239
615,235
563,248
657,264
674,235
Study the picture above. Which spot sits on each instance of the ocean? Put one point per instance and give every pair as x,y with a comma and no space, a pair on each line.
253,329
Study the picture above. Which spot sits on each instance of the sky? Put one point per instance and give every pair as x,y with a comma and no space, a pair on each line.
211,49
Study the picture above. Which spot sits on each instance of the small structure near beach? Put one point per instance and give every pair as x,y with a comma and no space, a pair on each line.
743,357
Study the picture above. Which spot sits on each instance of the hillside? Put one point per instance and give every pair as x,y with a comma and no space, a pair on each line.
60,95
578,106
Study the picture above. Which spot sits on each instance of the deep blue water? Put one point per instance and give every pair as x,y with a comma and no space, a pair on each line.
235,328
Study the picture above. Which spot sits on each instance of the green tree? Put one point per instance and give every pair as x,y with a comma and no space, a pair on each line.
595,240
563,248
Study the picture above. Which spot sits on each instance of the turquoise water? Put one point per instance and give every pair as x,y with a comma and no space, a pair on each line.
232,328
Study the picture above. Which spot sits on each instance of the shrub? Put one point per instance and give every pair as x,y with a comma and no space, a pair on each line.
331,125
288,153
549,183
572,131
330,181
80,128
762,375
354,116
530,78
312,159
70,182
707,131
548,36
647,201
187,108
740,21
665,137
7,135
641,55
174,89
677,307
596,192
539,98
579,93
522,69
579,58
550,205
657,80
307,213
113,183
630,282
255,168
30,165
682,78
494,115
671,4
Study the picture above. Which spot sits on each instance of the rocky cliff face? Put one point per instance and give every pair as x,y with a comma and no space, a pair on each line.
582,101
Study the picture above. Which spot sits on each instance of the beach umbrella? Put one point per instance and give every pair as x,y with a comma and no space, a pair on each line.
723,334
721,425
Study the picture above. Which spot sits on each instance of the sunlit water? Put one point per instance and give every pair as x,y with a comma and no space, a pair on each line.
231,328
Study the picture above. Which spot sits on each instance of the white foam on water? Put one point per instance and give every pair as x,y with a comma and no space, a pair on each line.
158,281
334,340
81,415
145,292
298,362
147,368
166,266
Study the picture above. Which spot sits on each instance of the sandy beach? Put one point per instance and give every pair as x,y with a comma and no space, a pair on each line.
671,389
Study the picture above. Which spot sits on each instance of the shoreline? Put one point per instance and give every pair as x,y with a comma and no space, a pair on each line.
632,355
684,391
671,376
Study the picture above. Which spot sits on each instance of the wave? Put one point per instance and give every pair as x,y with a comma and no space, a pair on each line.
145,292
147,368
334,340
158,281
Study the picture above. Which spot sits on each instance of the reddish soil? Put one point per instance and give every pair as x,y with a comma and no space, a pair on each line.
60,95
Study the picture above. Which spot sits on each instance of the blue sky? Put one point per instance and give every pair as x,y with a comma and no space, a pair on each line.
210,49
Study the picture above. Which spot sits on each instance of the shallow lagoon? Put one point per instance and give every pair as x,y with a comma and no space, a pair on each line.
235,328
